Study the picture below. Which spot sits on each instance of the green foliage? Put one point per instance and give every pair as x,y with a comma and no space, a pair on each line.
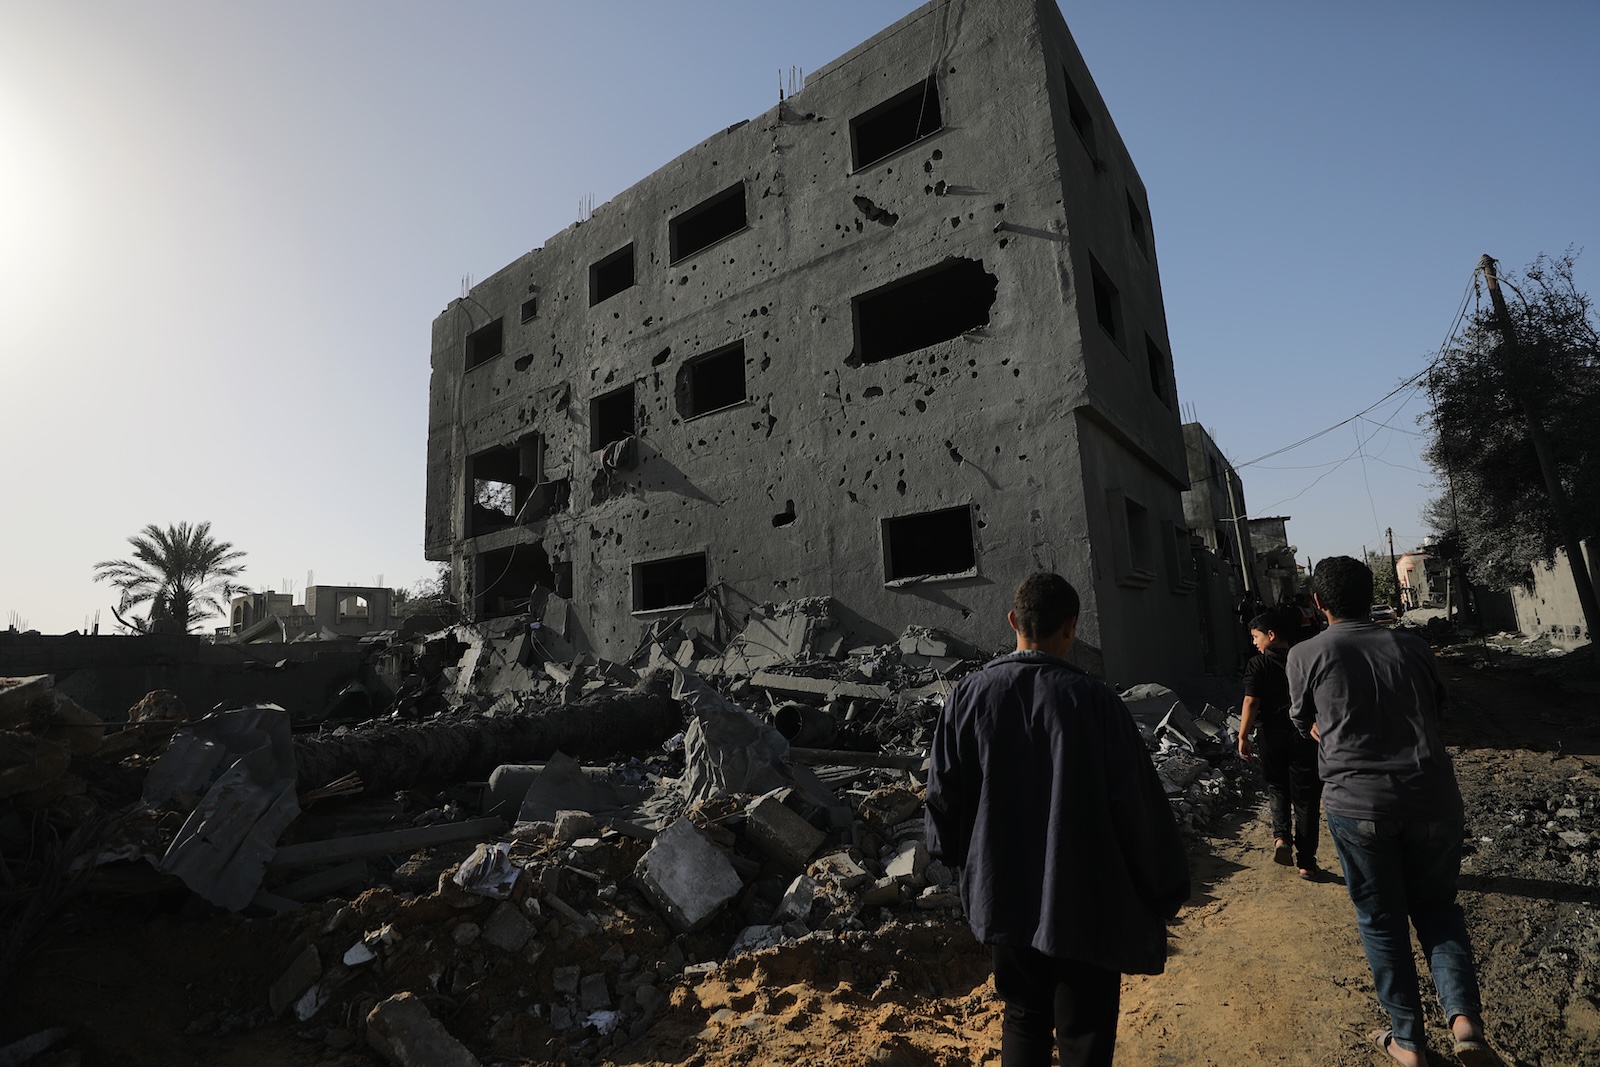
181,572
1384,588
1500,520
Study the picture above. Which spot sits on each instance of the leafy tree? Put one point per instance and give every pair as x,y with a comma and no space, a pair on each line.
1499,515
1384,590
182,572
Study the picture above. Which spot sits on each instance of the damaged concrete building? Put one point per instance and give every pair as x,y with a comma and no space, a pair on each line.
898,341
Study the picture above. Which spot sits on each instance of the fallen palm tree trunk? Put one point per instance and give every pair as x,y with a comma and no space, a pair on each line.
407,756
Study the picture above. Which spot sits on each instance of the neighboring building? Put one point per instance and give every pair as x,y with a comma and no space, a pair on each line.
1273,564
1550,606
1422,579
329,610
1213,509
898,341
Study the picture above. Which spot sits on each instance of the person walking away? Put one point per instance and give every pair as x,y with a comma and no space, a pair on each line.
1040,791
1372,699
1288,761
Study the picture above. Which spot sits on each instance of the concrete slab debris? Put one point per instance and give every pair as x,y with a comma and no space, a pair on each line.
781,833
404,1032
686,876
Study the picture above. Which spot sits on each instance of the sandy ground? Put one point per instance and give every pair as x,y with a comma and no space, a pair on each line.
1264,968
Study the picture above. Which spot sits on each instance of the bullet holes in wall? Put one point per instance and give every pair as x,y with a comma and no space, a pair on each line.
925,308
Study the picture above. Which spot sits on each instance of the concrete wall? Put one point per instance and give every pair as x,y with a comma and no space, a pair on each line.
1027,419
1551,606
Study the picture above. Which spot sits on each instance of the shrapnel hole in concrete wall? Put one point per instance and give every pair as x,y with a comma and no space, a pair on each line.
353,606
713,382
1157,360
1136,223
610,417
530,309
707,223
1107,302
933,544
485,343
901,120
928,307
498,489
611,275
668,583
508,576
1078,114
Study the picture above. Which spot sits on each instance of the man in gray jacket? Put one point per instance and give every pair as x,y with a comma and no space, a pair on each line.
1372,699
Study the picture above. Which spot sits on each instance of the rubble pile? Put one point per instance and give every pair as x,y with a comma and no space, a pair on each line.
452,850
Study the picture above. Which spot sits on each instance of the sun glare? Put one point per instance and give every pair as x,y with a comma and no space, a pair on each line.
37,221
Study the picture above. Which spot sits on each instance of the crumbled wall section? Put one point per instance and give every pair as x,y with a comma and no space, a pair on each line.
918,336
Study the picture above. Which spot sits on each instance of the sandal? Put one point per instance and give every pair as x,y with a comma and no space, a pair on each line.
1475,1052
1283,852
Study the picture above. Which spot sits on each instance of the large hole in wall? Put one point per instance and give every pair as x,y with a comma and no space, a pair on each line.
707,223
668,583
897,122
611,275
611,417
712,382
485,343
928,307
934,544
507,578
502,480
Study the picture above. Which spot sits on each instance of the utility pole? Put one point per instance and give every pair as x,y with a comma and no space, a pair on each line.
1547,463
1394,568
1238,537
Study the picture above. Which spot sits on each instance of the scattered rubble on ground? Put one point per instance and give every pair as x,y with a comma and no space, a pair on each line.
453,849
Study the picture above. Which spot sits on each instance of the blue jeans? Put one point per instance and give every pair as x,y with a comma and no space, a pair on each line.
1400,869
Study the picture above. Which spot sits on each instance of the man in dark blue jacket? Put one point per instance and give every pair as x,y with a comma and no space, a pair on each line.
1041,792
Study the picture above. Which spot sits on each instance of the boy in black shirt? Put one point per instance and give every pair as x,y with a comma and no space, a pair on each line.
1288,761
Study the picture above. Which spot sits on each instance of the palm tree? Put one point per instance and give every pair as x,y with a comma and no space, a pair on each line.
181,572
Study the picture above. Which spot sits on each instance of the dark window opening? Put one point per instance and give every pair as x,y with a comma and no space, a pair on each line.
707,223
353,607
934,544
610,417
611,275
1136,223
712,382
1132,548
923,309
1139,549
1158,370
895,123
1078,114
530,309
508,578
485,343
668,583
1107,308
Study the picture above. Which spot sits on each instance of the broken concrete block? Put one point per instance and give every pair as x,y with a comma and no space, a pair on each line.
883,893
305,970
686,876
571,825
507,928
463,935
565,979
404,1032
908,865
938,896
780,833
797,900
756,938
593,994
20,696
839,869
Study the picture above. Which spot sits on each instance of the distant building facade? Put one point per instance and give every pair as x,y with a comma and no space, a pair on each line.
328,610
898,341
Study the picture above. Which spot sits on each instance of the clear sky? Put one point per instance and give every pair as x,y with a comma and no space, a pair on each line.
225,228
